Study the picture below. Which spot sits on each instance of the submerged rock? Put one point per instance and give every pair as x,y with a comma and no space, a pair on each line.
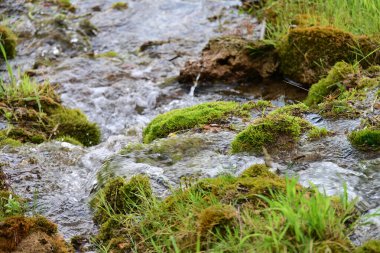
232,60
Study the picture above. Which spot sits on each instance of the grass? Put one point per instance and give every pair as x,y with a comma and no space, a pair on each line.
357,17
256,212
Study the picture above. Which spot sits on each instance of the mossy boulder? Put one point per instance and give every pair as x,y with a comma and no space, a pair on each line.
306,54
35,234
274,132
8,40
231,59
187,118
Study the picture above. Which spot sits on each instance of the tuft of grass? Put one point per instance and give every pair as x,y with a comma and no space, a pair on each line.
357,17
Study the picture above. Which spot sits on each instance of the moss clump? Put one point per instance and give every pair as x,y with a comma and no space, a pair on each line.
317,133
365,139
120,196
305,50
65,4
119,6
278,131
215,219
73,123
8,40
187,118
37,232
334,80
257,170
333,108
293,110
372,246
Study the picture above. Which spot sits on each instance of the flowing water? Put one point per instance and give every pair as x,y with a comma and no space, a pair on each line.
153,40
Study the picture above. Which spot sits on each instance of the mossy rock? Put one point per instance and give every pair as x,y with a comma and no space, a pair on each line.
34,234
308,53
365,139
187,118
278,131
372,246
332,82
9,40
121,197
233,60
73,123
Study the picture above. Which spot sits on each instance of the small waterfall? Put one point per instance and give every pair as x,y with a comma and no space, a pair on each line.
191,93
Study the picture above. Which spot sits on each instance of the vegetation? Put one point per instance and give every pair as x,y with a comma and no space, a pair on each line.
276,131
195,116
282,14
34,113
8,40
365,139
317,133
120,6
258,211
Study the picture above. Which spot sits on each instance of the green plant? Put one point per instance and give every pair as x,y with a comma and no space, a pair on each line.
13,206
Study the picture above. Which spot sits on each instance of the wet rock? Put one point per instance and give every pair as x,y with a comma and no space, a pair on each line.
232,60
305,50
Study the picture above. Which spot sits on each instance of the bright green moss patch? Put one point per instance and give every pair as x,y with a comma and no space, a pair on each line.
73,123
317,133
372,246
195,116
8,40
256,212
293,110
278,131
365,139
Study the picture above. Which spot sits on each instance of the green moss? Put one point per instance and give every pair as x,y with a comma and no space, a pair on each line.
329,84
294,110
317,133
65,4
9,40
365,139
372,246
120,6
187,118
333,108
257,170
109,54
278,131
4,141
120,197
216,218
69,139
73,123
308,53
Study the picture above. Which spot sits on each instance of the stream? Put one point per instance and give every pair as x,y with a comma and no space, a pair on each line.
153,40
